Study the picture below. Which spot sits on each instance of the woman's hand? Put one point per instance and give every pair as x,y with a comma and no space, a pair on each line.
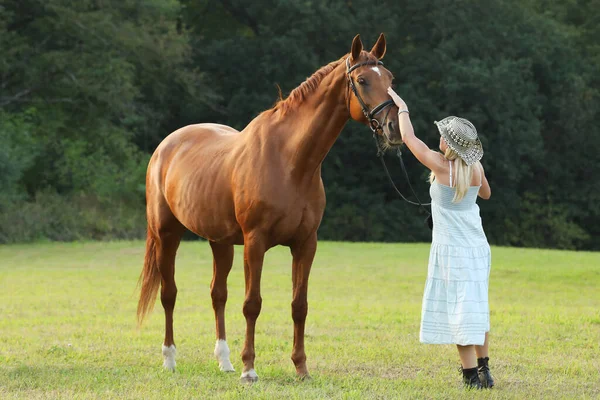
401,104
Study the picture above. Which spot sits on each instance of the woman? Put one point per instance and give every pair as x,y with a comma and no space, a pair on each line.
455,303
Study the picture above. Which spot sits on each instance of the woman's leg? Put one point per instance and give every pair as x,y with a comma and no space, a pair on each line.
469,366
482,351
467,356
487,381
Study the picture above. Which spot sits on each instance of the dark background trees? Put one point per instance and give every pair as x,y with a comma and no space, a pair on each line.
89,88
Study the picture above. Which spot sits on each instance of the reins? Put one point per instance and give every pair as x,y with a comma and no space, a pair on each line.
380,153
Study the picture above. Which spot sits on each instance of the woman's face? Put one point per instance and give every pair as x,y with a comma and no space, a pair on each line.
443,145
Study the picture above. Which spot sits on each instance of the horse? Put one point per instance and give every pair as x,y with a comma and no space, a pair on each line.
259,187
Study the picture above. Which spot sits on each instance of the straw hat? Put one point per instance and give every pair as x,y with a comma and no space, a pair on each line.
461,136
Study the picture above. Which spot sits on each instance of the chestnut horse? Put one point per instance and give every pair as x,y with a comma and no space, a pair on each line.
260,187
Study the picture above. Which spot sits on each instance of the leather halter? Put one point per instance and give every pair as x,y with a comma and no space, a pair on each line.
370,115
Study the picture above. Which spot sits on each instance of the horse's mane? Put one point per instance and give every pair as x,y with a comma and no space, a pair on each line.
298,95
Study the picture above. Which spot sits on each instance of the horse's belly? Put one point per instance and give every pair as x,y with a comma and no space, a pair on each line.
203,221
209,215
203,203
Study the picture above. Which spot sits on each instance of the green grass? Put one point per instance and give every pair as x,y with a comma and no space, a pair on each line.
68,326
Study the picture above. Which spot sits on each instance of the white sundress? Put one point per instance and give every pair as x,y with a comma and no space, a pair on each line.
455,303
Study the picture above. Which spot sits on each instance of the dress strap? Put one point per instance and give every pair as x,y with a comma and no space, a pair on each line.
450,172
480,176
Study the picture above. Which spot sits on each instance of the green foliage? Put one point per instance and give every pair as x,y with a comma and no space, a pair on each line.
88,90
542,223
17,154
67,218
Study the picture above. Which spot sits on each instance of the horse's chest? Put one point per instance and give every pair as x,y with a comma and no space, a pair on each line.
284,213
295,222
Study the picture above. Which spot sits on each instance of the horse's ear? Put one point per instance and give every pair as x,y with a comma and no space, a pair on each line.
357,47
379,49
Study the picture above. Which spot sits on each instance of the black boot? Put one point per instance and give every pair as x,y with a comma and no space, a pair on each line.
471,378
484,373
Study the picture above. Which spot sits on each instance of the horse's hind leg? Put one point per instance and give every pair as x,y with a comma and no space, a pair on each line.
166,250
222,262
166,232
164,235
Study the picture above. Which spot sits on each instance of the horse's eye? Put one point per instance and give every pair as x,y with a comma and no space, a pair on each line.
361,81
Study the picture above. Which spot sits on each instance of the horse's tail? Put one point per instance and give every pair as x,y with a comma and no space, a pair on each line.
149,279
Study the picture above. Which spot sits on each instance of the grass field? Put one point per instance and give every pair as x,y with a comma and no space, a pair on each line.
68,326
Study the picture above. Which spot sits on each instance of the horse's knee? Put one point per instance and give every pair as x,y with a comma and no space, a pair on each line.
299,309
252,307
219,297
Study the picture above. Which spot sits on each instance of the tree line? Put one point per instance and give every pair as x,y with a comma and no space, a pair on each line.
89,88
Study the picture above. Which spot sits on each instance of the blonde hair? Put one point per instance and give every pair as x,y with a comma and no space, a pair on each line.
464,174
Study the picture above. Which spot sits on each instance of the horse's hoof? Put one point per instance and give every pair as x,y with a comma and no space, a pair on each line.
249,377
248,381
226,367
222,354
302,372
304,377
169,354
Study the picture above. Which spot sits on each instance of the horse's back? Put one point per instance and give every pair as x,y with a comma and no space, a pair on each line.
189,148
197,134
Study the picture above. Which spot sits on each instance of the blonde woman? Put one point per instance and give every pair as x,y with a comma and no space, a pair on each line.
455,303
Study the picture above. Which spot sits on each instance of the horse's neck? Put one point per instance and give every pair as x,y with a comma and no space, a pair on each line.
315,124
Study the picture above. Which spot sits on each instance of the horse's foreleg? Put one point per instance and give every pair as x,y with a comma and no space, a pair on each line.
254,252
222,262
303,255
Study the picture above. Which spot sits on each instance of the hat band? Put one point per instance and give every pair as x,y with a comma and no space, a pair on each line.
458,140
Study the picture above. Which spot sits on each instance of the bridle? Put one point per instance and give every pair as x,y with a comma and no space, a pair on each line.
374,124
377,128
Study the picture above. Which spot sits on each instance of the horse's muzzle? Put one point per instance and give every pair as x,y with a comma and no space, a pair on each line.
391,133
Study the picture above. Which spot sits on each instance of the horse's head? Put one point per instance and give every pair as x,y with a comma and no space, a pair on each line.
369,102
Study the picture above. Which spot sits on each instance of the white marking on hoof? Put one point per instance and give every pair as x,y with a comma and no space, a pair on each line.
169,357
249,376
222,354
